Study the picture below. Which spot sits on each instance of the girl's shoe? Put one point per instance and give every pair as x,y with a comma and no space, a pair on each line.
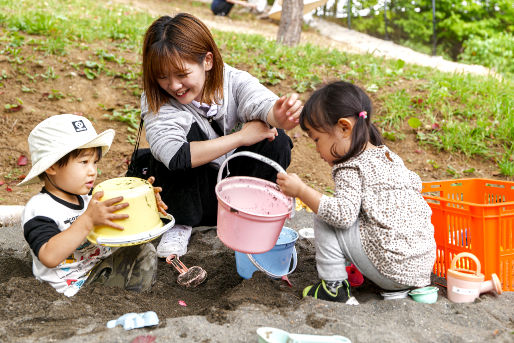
320,291
174,241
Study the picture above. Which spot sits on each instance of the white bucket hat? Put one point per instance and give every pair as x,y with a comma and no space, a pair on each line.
58,135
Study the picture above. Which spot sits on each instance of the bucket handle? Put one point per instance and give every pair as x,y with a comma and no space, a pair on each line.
261,158
261,268
465,254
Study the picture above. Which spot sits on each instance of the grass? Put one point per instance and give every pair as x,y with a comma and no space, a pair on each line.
458,113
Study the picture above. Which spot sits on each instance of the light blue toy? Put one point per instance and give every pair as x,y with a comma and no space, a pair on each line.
131,321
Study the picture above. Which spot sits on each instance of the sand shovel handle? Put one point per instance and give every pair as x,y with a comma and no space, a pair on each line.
261,268
176,263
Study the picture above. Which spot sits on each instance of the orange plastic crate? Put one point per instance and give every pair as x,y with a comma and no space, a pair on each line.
477,216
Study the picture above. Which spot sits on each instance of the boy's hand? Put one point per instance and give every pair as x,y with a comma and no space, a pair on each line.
290,184
161,206
286,111
103,212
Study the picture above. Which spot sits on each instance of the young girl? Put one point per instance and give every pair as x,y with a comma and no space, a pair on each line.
198,110
377,219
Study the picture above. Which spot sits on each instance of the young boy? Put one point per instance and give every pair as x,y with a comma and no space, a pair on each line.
65,150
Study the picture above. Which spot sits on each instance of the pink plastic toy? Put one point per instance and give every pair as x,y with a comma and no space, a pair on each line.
251,211
464,285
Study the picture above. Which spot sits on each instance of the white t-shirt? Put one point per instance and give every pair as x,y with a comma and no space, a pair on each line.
44,216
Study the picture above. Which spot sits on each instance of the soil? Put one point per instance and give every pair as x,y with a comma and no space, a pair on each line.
33,311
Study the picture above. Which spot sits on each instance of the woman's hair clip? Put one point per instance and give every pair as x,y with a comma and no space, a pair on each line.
363,114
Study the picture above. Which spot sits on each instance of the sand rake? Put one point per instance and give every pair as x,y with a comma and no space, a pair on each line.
188,277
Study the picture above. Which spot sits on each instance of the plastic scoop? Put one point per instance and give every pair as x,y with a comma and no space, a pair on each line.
132,320
273,335
189,277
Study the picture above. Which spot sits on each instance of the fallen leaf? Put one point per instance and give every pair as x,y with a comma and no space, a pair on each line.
22,160
2,183
14,109
182,303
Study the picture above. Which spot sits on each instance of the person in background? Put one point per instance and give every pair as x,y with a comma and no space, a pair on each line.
377,218
196,112
223,7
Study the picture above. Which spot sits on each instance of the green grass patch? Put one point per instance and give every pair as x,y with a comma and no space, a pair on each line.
465,114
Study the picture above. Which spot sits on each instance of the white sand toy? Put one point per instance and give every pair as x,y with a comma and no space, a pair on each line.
273,335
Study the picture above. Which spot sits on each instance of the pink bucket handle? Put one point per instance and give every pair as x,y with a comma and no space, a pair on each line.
261,268
261,158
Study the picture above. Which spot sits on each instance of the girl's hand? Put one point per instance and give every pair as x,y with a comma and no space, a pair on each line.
255,131
161,206
290,184
103,212
286,111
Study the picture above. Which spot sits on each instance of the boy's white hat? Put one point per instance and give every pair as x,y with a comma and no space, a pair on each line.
58,135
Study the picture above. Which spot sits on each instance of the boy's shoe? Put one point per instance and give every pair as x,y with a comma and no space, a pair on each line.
174,241
321,291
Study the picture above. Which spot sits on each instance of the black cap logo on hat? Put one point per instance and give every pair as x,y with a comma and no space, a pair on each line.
79,126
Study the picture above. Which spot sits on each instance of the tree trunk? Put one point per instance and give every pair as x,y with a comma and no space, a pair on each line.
290,27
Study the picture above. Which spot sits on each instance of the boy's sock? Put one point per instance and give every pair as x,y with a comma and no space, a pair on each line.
333,285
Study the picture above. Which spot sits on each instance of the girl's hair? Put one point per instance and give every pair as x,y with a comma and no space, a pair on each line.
168,42
341,100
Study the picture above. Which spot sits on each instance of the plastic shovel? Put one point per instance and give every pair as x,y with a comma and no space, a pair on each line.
189,277
273,335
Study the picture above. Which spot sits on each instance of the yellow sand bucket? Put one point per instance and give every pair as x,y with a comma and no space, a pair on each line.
144,222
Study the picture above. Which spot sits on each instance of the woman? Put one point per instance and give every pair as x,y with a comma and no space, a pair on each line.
197,111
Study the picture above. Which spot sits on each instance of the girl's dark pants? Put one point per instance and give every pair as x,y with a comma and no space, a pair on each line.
190,194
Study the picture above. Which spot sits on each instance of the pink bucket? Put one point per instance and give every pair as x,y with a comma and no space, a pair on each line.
251,211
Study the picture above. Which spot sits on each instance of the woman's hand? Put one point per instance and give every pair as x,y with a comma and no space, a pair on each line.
285,113
161,206
255,131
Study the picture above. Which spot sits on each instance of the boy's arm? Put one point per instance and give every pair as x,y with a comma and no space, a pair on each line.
60,246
